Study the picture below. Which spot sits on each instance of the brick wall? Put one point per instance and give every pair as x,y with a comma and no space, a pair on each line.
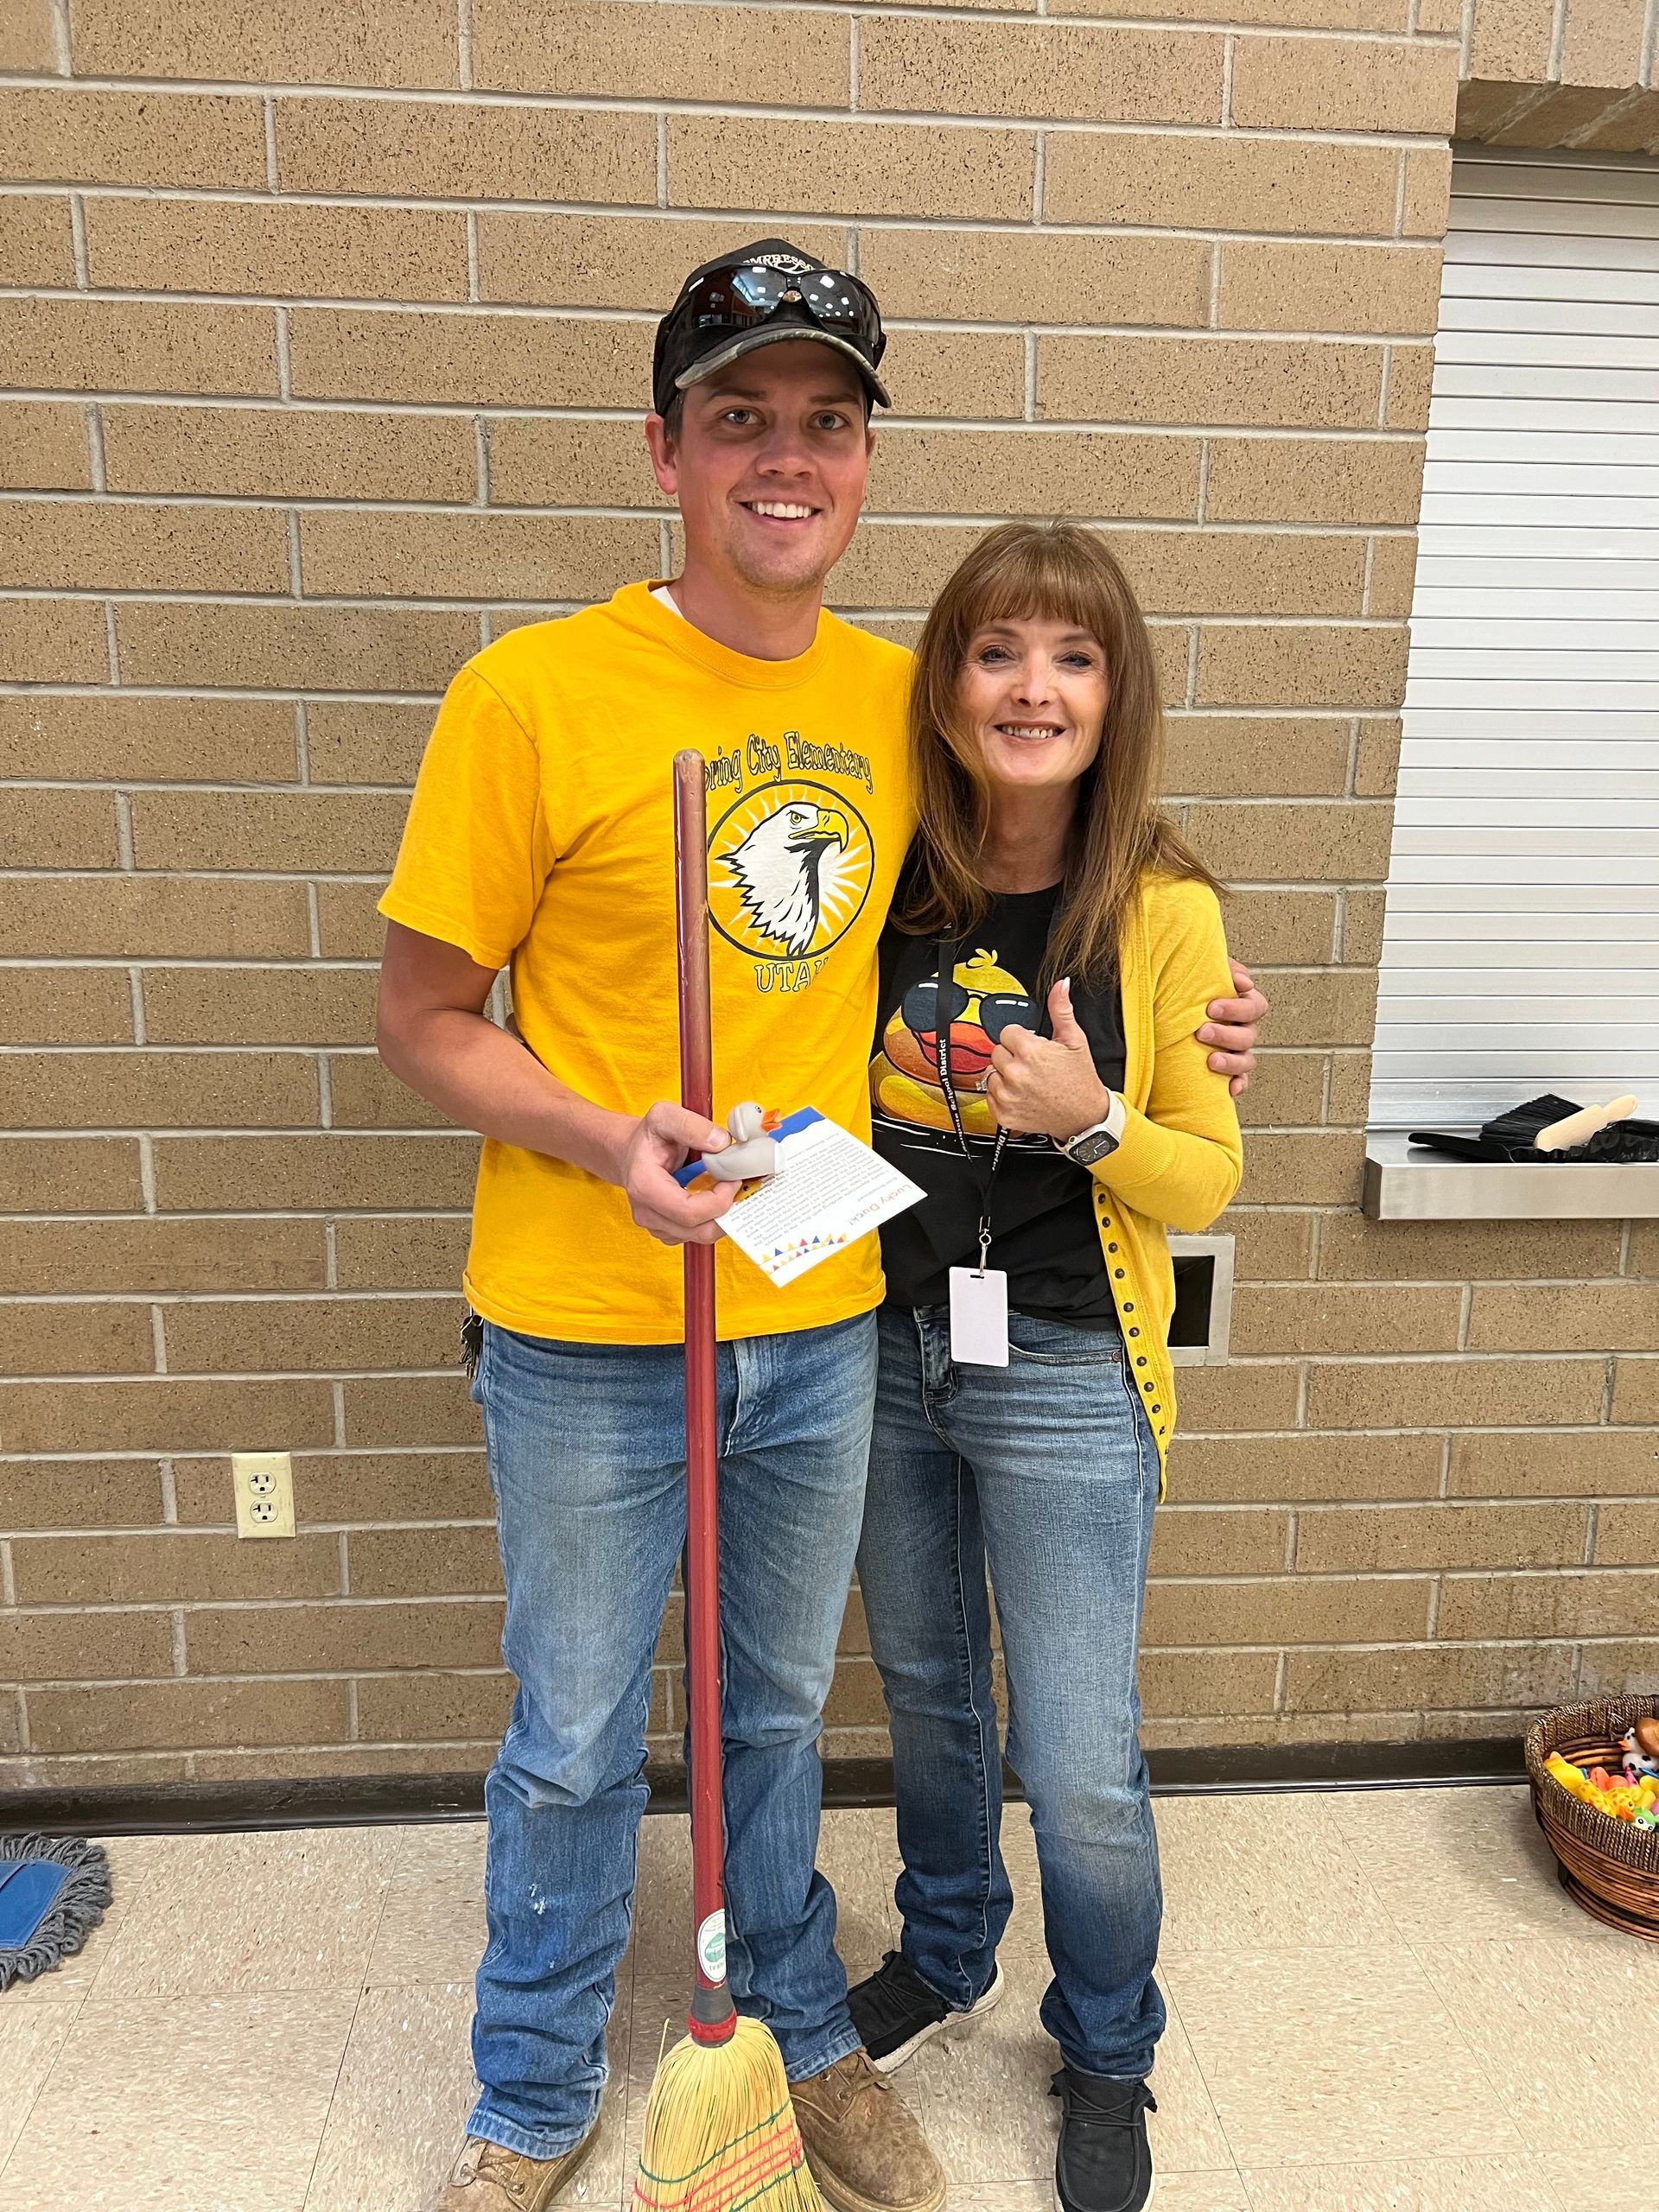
328,326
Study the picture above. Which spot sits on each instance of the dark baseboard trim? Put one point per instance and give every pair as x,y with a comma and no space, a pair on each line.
357,1801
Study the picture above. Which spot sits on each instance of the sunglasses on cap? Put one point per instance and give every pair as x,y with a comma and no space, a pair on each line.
742,298
998,1010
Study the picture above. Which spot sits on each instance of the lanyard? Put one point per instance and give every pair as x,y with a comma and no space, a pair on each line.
946,974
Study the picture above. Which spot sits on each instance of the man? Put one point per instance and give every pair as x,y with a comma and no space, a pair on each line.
541,835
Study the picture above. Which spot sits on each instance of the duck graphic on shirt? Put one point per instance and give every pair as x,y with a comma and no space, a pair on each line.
982,1000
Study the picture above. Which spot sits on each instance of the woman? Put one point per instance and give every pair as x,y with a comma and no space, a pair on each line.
1052,948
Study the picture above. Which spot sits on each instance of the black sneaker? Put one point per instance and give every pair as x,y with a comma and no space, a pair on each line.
1104,2161
895,2011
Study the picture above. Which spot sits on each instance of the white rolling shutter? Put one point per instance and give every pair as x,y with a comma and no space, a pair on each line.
1521,951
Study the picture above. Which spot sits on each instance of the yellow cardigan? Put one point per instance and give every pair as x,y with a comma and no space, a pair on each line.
1179,1160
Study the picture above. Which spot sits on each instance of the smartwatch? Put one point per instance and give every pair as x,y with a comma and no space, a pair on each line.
1099,1139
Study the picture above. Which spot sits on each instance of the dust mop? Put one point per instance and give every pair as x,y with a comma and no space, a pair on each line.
53,1892
720,2129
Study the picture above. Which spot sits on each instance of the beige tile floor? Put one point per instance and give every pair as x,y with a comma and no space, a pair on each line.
1379,2002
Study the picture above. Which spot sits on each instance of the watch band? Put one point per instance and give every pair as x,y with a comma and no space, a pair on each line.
1112,1126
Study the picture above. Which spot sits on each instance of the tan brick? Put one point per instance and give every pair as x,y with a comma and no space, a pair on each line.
369,1096
1620,1669
474,556
209,1174
541,461
278,647
352,1487
1299,1609
37,241
1600,1317
1321,1318
1314,479
1335,1540
1393,573
428,149
151,1768
1270,1245
290,453
1243,572
335,1638
1336,1008
947,372
1486,111
436,1563
280,250
1286,286
116,740
656,53
304,42
69,1174
1286,1091
618,261
1352,1249
59,829
1224,1400
44,641
852,168
1577,114
187,1714
1064,73
1361,936
348,926
163,1415
352,741
1511,41
137,346
1290,84
1628,1535
1190,182
28,39
299,1335
122,545
1285,382
1551,1605
1279,925
1020,471
64,1005
1441,16
114,916
1454,1394
155,1255
335,1760
1315,1168
403,1709
1635,1390
1000,274
1409,1678
153,136
170,1568
1308,843
1180,1682
326,830
396,1254
1256,756
146,1090
410,1410
76,1338
1377,760
1591,1463
1283,666
1349,1098
1409,378
43,447
81,1494
1625,128
1208,1540
1289,1469
1644,1248
485,360
259,1006
1428,192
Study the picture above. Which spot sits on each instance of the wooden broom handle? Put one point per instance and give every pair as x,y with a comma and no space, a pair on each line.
713,2017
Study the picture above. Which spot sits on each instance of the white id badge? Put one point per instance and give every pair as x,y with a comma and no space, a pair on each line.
979,1317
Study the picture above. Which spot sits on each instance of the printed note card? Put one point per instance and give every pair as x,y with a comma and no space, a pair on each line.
828,1191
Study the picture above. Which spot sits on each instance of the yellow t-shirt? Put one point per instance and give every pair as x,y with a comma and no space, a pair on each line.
542,833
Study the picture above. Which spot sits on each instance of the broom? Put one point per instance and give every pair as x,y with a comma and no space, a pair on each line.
719,2130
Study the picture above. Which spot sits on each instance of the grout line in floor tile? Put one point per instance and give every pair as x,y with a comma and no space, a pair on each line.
1172,2007
73,2005
357,2014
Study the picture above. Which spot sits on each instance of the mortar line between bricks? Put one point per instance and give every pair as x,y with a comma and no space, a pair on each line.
273,173
357,603
464,43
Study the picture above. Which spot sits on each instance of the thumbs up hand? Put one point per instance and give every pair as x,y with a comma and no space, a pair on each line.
1047,1086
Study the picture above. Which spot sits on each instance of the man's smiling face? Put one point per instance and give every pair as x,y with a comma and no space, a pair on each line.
770,466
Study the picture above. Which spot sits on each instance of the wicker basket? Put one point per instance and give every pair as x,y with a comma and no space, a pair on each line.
1608,1866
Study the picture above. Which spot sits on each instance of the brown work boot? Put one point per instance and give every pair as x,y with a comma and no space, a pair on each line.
865,2149
486,2178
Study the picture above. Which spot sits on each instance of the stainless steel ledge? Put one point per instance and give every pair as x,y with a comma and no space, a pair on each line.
1405,1183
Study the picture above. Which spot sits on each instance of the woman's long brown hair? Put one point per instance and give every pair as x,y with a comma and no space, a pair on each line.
1056,572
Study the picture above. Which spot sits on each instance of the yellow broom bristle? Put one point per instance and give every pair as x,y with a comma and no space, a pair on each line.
721,2132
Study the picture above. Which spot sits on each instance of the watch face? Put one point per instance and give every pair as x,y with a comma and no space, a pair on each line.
1093,1144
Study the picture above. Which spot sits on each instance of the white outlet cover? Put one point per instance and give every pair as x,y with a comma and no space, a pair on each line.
263,1483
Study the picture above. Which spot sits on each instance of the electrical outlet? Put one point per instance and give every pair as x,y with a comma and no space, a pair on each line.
263,1482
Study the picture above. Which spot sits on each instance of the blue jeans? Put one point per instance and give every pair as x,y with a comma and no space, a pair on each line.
586,1451
1047,1471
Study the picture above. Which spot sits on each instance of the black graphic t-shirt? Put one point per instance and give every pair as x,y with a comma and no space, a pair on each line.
1043,1234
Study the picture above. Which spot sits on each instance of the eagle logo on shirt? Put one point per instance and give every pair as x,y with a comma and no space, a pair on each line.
790,867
